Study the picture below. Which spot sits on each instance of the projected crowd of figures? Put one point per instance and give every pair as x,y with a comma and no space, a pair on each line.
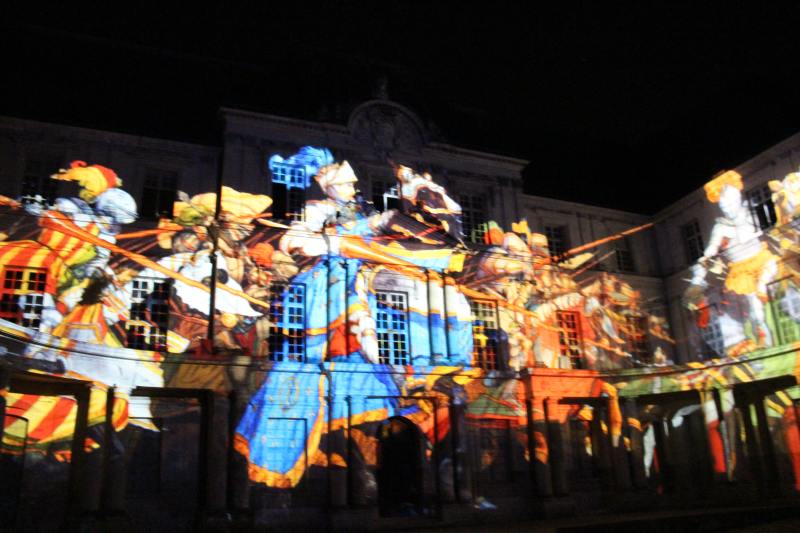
342,329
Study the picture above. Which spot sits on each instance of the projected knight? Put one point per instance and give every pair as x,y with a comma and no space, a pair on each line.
72,262
734,244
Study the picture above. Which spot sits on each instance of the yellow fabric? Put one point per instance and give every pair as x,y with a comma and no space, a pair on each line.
456,262
92,181
239,207
743,276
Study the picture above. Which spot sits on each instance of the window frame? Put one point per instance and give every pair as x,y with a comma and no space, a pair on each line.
146,329
624,255
782,320
761,207
27,286
637,338
692,238
567,348
489,357
561,234
716,344
474,217
36,180
291,336
390,338
163,183
289,184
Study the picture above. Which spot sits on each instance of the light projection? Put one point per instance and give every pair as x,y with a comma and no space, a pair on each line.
334,324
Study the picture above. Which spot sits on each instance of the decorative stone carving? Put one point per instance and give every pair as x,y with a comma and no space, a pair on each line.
386,127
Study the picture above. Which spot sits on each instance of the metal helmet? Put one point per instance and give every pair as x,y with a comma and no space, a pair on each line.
118,205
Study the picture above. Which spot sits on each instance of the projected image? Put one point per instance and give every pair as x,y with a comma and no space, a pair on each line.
329,320
743,289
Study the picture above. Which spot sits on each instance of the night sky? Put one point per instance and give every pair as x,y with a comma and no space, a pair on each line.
626,105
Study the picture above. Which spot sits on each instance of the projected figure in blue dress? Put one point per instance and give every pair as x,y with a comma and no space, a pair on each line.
286,418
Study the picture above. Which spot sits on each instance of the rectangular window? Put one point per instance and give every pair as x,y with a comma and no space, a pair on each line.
638,346
391,323
22,295
784,301
569,337
295,204
761,207
287,314
290,180
158,194
37,186
484,334
710,330
385,196
292,175
146,329
290,202
557,241
473,217
692,241
624,255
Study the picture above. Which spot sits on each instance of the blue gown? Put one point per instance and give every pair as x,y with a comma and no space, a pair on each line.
281,429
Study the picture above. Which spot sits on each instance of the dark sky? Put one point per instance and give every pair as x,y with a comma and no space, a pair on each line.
627,105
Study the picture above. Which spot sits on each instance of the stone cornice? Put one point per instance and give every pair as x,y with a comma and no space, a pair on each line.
43,131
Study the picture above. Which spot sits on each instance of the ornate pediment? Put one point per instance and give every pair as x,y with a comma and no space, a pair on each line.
387,127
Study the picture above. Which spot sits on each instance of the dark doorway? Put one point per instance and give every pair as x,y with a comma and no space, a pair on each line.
400,467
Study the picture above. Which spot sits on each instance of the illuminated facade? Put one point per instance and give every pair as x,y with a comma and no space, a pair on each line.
358,318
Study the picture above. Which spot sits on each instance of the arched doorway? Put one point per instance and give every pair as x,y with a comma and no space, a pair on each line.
400,467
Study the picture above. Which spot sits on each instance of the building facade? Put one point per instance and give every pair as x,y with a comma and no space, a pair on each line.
320,323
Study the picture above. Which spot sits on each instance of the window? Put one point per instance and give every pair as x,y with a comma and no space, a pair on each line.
158,193
569,337
784,301
295,204
557,241
37,186
149,321
473,217
289,183
22,296
391,322
761,207
484,334
638,346
624,255
287,314
692,241
289,202
385,196
710,330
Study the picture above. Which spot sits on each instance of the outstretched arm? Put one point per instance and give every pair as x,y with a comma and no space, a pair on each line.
306,237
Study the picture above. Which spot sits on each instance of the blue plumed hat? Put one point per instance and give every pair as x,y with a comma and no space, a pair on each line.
298,169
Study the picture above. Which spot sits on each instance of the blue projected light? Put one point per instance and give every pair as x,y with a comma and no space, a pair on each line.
296,171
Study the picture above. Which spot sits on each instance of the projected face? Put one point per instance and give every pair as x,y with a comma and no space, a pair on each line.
730,201
342,192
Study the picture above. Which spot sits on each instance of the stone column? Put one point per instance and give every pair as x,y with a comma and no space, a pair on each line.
556,440
633,429
770,464
540,453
